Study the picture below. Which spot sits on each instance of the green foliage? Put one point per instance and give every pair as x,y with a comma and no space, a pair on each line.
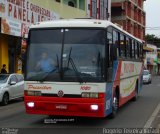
152,39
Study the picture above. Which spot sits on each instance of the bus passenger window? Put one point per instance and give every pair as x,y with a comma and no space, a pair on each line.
140,50
127,47
133,52
110,42
115,45
136,51
122,46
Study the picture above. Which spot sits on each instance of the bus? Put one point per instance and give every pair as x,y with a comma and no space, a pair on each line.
81,67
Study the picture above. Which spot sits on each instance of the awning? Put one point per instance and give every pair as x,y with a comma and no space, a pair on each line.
147,48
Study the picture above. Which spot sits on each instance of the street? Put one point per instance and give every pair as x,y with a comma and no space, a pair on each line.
131,115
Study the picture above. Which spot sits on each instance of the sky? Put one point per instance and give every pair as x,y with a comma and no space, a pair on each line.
152,9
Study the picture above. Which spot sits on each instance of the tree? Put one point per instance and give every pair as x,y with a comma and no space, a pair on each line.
152,39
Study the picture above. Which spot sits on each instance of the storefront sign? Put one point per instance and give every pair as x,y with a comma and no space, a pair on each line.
18,15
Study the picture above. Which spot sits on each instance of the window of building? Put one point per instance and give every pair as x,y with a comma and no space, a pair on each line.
106,9
71,3
103,9
58,0
89,7
82,4
94,9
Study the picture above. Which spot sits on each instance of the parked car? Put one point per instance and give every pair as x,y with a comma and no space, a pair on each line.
147,78
11,87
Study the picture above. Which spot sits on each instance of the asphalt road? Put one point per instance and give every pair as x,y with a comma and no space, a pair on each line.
131,115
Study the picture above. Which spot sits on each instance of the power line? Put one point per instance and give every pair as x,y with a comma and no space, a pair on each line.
153,29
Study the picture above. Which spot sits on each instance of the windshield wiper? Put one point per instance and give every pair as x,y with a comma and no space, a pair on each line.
46,75
80,79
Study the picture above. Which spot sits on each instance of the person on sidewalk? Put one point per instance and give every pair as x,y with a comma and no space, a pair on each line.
3,70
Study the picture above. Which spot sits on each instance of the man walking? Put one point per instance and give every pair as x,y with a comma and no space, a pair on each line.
3,70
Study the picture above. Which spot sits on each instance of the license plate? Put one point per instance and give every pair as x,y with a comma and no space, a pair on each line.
61,106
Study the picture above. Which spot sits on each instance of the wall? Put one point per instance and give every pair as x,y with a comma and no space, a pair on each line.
63,10
3,51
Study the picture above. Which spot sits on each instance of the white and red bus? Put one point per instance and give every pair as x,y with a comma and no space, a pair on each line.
90,68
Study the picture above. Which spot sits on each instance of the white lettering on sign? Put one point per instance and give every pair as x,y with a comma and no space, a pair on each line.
39,87
18,15
61,106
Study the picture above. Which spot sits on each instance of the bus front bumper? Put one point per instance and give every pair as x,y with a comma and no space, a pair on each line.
65,106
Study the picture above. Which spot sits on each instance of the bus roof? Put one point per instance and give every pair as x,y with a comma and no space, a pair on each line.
88,23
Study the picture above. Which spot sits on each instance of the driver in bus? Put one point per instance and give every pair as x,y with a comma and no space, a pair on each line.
45,64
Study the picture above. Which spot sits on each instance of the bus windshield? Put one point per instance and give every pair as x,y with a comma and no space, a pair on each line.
66,55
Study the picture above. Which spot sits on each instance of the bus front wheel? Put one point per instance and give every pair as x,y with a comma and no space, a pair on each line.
114,105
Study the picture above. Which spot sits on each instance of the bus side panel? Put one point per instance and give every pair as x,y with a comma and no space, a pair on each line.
140,80
112,85
108,100
130,72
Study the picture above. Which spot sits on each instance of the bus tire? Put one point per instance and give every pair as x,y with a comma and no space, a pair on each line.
115,105
136,95
5,99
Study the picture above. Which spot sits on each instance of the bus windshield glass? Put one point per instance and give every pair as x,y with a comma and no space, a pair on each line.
66,55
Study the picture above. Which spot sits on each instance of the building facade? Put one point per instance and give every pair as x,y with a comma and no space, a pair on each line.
151,58
99,9
17,15
130,15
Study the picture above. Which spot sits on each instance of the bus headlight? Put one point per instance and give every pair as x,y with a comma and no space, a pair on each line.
89,95
30,104
94,107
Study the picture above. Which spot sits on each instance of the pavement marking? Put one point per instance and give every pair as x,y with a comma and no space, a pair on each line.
152,117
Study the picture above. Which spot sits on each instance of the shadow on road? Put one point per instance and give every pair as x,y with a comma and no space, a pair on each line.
18,100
